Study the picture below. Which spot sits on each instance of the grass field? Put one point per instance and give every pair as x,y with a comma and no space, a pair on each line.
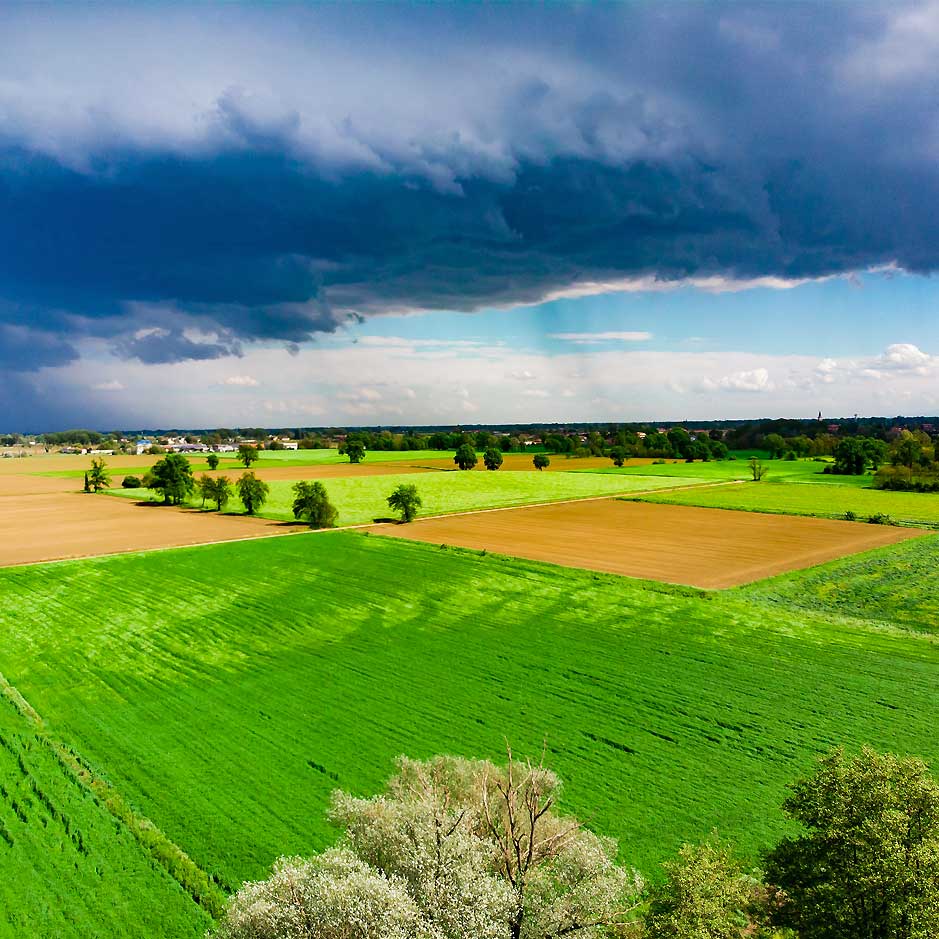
895,587
915,508
224,691
363,499
67,867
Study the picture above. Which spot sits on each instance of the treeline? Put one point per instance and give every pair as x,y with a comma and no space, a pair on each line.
460,849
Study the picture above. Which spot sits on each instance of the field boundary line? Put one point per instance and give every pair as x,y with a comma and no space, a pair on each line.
157,845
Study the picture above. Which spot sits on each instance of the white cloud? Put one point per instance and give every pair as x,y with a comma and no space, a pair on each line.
753,380
241,381
591,338
905,357
113,385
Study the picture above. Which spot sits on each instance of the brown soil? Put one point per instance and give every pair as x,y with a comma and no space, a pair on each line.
47,527
708,548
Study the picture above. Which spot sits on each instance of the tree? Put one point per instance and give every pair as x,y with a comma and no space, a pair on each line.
98,476
172,477
354,449
619,455
454,849
212,460
541,461
757,469
492,458
252,492
222,492
851,456
405,500
87,485
867,865
311,503
131,482
205,486
247,454
719,450
705,896
776,445
465,457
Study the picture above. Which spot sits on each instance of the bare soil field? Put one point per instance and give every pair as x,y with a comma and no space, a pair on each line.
707,548
53,526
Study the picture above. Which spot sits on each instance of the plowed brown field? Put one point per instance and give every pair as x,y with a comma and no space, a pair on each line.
46,527
708,548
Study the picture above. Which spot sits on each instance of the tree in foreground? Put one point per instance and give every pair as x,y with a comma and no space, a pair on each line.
405,500
454,849
867,866
252,492
247,454
465,457
492,458
212,460
541,461
757,469
205,486
98,476
705,896
354,449
172,478
221,492
312,505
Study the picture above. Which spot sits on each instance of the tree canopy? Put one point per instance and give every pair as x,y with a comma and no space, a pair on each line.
354,449
172,477
405,499
252,491
492,458
465,457
247,454
311,504
541,461
98,476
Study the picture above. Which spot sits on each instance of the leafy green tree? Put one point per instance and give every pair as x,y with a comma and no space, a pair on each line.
221,492
453,849
131,482
465,457
172,477
680,441
205,486
541,461
311,503
247,454
98,476
619,455
405,500
876,451
492,458
776,445
867,864
252,491
212,460
757,469
851,455
705,896
354,449
719,450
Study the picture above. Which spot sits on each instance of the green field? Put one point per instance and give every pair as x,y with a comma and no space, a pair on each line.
895,586
362,499
224,691
798,498
778,471
67,867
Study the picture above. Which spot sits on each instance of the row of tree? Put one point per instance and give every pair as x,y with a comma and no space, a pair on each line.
459,849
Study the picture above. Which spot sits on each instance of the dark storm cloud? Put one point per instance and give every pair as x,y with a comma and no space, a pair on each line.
253,174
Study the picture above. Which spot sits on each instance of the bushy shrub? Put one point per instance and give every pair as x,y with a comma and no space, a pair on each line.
850,516
880,518
131,482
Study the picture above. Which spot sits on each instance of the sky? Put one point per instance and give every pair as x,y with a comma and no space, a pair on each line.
302,215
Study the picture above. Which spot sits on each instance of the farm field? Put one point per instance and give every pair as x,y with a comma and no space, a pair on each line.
225,700
896,586
914,508
674,544
67,868
45,527
361,500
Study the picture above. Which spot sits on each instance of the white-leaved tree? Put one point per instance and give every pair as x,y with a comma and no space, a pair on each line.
454,849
